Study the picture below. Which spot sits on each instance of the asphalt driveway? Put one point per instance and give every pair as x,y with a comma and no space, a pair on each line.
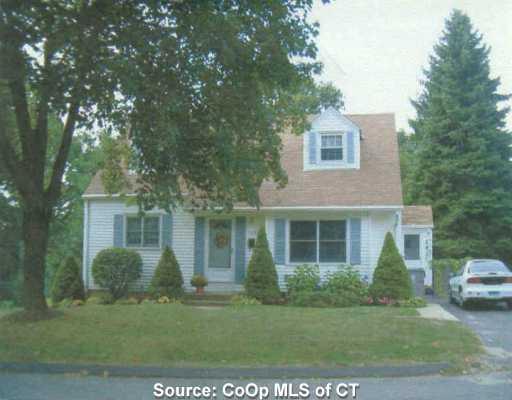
493,323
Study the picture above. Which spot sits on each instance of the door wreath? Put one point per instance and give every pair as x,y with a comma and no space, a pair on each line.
221,240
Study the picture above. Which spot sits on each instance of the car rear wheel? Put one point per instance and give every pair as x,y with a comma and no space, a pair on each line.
509,303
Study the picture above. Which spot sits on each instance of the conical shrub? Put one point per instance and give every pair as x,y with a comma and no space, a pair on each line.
67,282
391,278
167,279
261,281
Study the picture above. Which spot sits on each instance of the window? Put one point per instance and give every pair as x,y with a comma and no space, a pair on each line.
318,241
412,247
142,231
331,148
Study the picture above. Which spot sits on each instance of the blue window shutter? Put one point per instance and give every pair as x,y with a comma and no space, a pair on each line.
279,241
119,230
355,241
312,147
167,230
199,246
350,147
240,234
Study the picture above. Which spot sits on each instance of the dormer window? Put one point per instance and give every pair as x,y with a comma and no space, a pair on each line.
333,142
331,147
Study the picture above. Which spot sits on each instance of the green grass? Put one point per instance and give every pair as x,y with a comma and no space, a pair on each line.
171,335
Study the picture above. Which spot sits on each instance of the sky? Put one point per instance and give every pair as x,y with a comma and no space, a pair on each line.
375,50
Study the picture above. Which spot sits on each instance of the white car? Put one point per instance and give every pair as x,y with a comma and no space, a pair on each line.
482,280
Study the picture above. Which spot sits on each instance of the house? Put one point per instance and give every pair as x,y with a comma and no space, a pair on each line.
343,195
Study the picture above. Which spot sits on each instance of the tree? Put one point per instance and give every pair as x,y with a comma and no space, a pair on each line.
462,156
261,281
391,278
167,280
198,83
67,282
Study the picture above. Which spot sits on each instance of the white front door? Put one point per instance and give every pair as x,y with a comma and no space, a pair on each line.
220,263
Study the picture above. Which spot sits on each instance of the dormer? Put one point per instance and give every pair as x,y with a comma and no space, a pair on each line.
333,142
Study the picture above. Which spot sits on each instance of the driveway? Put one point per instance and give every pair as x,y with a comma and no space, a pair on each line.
493,323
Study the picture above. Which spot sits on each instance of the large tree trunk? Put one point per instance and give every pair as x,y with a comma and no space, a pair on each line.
36,225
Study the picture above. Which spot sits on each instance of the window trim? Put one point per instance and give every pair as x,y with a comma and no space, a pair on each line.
317,241
343,148
419,247
141,245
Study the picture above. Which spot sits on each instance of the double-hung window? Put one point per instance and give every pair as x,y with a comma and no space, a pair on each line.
143,231
318,241
412,247
331,148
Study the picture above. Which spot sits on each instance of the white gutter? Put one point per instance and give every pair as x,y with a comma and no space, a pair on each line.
273,208
85,250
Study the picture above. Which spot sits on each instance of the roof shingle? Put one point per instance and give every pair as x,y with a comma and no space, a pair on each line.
417,215
376,183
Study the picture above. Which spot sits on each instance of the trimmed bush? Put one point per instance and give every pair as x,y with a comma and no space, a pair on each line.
67,282
306,278
115,269
261,281
346,287
391,278
167,280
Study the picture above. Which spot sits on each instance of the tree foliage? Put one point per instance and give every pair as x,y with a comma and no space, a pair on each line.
167,279
391,278
462,151
197,83
261,280
67,282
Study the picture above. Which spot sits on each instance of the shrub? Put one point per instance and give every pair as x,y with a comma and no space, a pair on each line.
115,269
261,281
77,303
346,287
241,300
199,281
309,298
167,280
306,278
391,278
131,301
94,301
64,303
167,300
440,277
416,302
7,304
67,282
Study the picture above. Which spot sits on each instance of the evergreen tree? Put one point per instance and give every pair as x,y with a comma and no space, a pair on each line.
261,281
67,282
462,149
391,278
167,280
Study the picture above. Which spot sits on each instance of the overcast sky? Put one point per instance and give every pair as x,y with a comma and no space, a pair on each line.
374,50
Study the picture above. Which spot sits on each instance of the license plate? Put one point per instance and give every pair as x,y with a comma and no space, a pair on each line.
494,293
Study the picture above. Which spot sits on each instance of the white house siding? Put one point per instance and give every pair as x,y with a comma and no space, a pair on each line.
374,226
100,236
99,221
425,260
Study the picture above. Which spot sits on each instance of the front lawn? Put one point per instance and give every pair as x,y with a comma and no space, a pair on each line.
172,335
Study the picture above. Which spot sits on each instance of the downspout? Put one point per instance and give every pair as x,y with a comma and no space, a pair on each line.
85,251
